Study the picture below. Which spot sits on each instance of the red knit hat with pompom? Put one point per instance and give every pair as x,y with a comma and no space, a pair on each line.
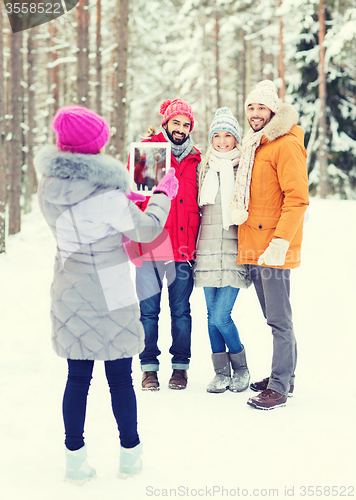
171,108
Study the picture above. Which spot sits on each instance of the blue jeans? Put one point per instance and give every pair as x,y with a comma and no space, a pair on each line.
123,400
149,288
221,328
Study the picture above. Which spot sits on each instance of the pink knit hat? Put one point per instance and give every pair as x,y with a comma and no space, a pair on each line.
264,93
176,107
80,130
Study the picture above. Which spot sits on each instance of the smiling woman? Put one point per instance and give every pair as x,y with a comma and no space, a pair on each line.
216,266
223,141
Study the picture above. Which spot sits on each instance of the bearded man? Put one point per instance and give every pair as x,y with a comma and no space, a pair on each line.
271,197
172,258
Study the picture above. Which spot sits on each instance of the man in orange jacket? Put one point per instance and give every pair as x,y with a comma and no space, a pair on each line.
271,196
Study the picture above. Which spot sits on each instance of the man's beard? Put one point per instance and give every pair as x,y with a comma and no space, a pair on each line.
260,126
177,142
257,128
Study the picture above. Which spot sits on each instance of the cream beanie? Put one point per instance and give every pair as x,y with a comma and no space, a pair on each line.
264,93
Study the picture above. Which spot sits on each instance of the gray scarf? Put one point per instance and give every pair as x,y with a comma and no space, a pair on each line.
179,151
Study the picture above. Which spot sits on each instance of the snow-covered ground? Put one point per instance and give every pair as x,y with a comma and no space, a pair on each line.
195,443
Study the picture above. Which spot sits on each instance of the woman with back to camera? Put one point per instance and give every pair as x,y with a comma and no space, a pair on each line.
83,195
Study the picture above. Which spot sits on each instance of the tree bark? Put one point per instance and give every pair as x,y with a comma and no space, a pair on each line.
2,142
16,130
54,70
217,60
322,150
98,58
119,137
83,53
281,66
243,78
30,179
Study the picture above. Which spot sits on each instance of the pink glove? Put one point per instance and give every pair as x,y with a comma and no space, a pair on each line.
135,197
168,184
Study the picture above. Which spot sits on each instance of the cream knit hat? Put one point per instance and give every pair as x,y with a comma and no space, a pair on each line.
264,93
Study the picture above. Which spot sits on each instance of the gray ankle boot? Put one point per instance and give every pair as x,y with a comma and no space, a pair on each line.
221,381
241,376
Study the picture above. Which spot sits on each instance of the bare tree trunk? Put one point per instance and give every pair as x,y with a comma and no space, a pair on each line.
262,59
238,79
217,60
8,117
2,142
281,66
16,140
30,179
98,57
269,58
49,87
206,88
54,73
83,53
248,74
119,137
243,78
322,150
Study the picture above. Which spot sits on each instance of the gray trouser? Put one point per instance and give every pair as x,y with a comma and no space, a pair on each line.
273,289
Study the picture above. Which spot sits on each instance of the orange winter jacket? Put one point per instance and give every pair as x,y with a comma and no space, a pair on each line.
278,191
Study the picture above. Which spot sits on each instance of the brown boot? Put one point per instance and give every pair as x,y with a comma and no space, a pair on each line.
262,385
150,381
268,400
178,379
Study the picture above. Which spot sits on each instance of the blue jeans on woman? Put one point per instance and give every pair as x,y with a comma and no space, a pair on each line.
222,330
149,279
123,400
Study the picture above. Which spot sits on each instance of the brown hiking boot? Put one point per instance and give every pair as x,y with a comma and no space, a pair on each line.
178,380
150,381
268,400
261,386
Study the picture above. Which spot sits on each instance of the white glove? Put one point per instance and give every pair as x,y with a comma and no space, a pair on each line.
275,253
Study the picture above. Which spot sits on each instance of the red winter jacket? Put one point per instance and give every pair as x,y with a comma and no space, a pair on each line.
183,219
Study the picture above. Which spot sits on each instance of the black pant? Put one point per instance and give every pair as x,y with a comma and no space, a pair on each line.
123,400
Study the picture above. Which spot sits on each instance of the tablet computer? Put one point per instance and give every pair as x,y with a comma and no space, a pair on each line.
149,162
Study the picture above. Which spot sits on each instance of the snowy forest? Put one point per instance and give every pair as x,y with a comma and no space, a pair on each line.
122,58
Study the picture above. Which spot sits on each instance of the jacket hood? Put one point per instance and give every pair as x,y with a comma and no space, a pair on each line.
71,177
101,170
282,123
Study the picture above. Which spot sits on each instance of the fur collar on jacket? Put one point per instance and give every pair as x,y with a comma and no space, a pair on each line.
101,170
281,124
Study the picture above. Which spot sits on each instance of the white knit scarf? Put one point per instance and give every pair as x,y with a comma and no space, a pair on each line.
238,207
224,164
